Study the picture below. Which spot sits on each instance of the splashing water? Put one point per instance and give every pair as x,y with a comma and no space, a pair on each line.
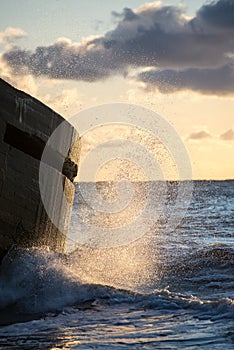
163,290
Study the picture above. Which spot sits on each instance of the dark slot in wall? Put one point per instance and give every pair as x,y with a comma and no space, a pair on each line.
34,146
29,144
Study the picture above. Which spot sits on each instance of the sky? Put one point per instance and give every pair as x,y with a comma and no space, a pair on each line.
175,58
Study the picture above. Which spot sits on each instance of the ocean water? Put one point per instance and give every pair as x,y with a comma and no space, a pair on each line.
164,290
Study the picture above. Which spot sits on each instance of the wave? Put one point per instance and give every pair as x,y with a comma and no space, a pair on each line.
34,282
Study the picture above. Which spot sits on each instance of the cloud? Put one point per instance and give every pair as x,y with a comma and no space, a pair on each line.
11,34
217,81
65,60
152,36
203,134
218,15
228,135
26,82
199,135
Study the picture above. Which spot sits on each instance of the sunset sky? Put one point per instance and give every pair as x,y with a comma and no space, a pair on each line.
176,58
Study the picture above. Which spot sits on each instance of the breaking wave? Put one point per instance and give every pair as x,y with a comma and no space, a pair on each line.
35,282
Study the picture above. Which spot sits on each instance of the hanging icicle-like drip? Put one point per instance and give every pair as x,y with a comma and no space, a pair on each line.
21,106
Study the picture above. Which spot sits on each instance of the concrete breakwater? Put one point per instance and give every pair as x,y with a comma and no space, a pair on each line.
26,124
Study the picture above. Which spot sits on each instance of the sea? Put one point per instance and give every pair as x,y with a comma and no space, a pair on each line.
162,289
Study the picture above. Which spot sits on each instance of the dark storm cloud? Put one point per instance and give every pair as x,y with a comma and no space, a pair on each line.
218,15
127,14
64,60
158,36
218,81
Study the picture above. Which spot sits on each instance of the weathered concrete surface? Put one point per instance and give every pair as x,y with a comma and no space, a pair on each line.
25,126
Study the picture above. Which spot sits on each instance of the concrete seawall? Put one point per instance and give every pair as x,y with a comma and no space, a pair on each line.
25,126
